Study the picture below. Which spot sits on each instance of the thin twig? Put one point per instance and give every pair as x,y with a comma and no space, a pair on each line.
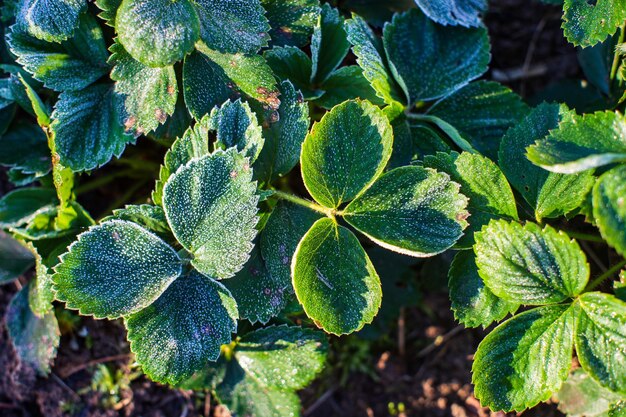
321,400
440,340
65,386
402,333
71,371
531,51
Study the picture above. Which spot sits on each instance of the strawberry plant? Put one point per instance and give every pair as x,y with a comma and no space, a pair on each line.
304,150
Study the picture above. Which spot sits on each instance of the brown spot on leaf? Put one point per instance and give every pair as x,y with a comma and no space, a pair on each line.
462,216
129,124
233,174
171,90
160,115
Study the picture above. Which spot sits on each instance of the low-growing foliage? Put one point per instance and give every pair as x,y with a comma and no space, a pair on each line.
229,275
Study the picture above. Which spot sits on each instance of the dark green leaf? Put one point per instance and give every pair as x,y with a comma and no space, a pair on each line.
530,265
334,279
329,45
183,329
157,33
294,65
109,10
115,269
210,204
151,218
24,149
582,396
345,152
15,259
237,126
411,210
525,359
472,302
431,61
586,23
618,409
20,206
292,21
609,207
454,12
347,83
50,20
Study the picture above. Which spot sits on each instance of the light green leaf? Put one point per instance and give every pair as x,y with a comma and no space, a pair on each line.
151,93
283,137
334,279
347,83
233,26
454,12
109,10
472,302
210,204
50,20
284,229
22,205
291,21
260,295
15,259
582,396
192,145
447,58
525,359
371,57
40,295
600,339
245,396
183,329
411,210
345,152
482,112
115,269
490,195
549,194
581,143
329,44
609,207
282,357
529,265
157,33
35,339
618,409
53,221
237,126
89,129
248,73
24,149
585,23
67,66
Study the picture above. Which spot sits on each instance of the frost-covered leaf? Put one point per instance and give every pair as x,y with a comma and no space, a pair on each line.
88,127
245,396
54,221
549,194
345,152
210,204
291,21
151,218
50,20
283,137
260,295
530,265
587,23
115,269
411,210
431,61
454,12
334,279
41,295
609,207
157,33
490,195
526,359
233,26
67,66
329,44
294,65
482,112
582,396
22,205
15,259
600,339
582,142
618,409
284,229
183,329
150,93
347,83
236,126
281,357
109,10
371,57
473,303
192,145
24,149
35,339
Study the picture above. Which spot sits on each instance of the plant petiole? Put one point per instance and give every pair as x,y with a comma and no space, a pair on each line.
608,274
306,203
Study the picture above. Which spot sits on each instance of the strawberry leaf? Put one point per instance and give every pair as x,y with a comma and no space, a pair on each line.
529,265
334,279
210,204
183,329
345,152
609,210
454,12
585,23
22,205
115,269
15,259
50,20
411,210
525,359
291,21
237,126
329,45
